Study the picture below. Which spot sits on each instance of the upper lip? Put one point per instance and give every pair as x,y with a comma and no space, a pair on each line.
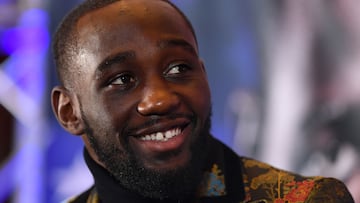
160,125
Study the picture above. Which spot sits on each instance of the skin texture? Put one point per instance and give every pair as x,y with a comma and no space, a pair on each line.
139,73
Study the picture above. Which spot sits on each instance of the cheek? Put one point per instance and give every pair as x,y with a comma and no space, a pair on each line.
97,116
117,112
119,107
200,99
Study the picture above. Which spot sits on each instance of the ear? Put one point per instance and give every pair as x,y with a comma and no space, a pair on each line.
67,110
203,67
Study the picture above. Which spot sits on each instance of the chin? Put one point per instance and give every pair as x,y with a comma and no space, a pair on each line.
159,179
170,161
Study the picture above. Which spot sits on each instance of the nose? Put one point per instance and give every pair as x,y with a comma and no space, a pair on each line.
158,99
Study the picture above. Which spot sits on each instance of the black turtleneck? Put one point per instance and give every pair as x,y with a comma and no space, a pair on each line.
110,191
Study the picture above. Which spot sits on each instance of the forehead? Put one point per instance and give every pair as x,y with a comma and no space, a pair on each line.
130,20
130,8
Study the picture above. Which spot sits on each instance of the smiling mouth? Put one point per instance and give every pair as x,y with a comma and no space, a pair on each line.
162,136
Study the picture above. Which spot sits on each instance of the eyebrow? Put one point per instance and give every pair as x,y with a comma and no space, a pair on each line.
177,43
122,57
117,58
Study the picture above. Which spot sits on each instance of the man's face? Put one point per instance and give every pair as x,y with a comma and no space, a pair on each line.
142,90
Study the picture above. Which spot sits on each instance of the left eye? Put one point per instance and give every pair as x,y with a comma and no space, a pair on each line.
177,69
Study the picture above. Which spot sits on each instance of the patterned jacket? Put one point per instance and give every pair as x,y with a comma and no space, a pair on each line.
234,179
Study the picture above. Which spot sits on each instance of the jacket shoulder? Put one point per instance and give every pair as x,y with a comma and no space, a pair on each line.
89,196
269,184
330,190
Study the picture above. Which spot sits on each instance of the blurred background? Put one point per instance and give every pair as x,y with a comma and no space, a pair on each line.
284,75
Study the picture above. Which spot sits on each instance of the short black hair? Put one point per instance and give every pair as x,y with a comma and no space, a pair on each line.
65,38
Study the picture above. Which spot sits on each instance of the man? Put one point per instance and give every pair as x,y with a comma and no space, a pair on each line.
135,90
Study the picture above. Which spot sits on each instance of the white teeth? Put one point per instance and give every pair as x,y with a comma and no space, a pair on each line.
159,136
162,136
169,134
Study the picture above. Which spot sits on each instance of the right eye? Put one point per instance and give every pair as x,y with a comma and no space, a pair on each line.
123,80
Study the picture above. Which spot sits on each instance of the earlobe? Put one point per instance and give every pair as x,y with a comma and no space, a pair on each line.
66,110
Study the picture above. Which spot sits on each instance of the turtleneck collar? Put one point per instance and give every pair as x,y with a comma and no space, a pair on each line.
222,181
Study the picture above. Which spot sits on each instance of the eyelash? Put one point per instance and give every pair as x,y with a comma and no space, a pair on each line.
181,69
130,79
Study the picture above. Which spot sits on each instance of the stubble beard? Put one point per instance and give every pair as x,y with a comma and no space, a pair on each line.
130,172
